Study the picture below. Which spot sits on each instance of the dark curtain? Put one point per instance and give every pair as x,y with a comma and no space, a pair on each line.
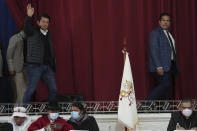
88,39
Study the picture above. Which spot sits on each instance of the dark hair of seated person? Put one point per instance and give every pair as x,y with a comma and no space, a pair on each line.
6,127
80,106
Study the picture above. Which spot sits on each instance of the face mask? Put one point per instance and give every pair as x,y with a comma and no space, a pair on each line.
75,114
187,112
53,116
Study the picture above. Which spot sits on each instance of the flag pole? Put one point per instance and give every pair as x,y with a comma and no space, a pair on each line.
124,53
124,48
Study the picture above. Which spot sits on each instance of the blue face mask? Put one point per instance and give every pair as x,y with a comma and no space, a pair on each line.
53,116
75,114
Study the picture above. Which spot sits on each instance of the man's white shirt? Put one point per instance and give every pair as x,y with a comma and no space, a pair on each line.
173,41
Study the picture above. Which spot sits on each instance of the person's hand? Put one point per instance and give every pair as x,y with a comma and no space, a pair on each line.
160,71
50,126
180,128
46,127
194,128
12,73
30,10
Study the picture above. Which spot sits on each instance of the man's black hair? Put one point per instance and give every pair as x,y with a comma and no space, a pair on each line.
187,100
80,106
45,16
53,105
165,14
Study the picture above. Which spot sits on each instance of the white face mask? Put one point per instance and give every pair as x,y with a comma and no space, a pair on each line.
187,112
53,116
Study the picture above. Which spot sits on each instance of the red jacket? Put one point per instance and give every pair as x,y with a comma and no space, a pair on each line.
44,121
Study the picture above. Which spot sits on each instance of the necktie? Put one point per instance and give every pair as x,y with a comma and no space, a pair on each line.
171,44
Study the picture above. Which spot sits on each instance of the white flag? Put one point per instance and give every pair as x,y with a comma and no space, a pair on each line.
127,111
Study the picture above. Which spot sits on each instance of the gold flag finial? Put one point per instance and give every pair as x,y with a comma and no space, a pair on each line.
125,44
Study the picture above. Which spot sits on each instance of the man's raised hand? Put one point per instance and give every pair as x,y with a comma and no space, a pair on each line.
30,10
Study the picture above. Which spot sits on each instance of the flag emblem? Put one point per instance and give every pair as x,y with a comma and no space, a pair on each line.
127,91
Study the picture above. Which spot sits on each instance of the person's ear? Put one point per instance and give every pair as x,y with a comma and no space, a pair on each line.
38,22
81,112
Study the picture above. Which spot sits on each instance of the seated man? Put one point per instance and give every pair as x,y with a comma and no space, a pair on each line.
80,119
185,119
51,121
19,119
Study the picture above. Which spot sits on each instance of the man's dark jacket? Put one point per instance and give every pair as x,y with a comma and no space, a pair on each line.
35,46
160,51
177,117
87,123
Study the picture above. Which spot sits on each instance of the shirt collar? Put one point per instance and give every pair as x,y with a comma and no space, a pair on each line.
44,32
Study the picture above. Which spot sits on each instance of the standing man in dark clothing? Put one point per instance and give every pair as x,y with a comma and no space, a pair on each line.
40,58
185,119
3,62
6,93
163,59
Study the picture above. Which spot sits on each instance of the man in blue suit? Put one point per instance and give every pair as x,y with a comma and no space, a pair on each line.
163,60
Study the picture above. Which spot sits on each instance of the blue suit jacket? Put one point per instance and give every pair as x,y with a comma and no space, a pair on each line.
160,51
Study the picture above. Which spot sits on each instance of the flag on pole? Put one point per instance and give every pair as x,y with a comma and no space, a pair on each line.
127,111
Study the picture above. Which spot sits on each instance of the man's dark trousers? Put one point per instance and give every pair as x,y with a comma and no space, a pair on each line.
35,73
163,90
